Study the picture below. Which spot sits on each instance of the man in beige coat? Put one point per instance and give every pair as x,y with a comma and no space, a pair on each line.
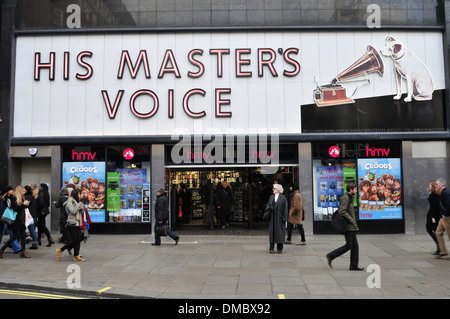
296,216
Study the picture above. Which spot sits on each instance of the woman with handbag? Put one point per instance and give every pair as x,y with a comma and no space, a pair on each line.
17,204
277,214
75,211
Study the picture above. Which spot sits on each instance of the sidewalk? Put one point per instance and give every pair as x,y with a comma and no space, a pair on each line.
235,267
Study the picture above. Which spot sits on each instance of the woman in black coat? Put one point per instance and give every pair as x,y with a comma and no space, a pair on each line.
433,214
17,204
33,211
43,203
278,207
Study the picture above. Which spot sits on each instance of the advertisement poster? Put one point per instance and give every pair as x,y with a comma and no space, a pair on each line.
330,186
113,193
379,187
131,188
89,177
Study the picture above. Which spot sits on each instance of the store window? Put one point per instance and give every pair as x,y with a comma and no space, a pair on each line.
128,184
376,169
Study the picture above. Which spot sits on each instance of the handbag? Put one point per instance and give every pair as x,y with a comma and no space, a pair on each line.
161,230
338,222
9,216
28,218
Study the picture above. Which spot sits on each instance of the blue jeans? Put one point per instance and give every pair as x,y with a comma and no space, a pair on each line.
32,229
169,232
15,245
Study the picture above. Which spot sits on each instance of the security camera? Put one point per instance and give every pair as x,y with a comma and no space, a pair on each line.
33,151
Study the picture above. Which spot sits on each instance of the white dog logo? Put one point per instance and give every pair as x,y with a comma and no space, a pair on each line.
418,78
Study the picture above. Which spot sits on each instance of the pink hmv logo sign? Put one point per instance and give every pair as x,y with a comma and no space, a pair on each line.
334,151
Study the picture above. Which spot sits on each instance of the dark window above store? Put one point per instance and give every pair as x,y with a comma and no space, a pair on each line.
101,14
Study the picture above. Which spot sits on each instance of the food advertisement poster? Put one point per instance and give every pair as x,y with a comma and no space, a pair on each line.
89,177
380,188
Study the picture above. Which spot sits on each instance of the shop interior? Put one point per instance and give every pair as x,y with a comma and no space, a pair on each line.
251,188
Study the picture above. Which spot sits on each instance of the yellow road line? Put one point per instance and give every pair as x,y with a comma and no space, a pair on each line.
35,294
281,296
99,292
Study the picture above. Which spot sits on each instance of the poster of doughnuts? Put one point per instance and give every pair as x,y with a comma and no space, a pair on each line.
89,177
380,188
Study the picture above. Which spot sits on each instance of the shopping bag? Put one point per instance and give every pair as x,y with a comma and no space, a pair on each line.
28,218
9,216
338,222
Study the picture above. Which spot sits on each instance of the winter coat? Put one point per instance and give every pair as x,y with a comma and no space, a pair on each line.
33,204
43,202
347,210
162,207
19,223
278,218
296,211
74,212
224,197
433,211
445,202
62,211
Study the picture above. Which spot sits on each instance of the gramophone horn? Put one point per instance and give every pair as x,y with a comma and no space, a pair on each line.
368,63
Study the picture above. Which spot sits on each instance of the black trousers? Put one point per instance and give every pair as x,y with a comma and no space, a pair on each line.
74,239
17,235
351,243
301,231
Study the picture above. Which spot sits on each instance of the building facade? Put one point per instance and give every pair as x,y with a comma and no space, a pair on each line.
122,98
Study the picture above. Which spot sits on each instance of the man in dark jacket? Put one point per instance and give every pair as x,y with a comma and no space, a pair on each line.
224,201
162,216
43,203
444,222
347,211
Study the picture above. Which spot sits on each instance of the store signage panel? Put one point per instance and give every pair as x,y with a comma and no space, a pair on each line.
152,84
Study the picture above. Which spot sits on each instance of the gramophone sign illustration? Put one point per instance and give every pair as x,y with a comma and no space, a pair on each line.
335,93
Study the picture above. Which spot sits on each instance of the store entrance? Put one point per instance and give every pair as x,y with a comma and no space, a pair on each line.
194,195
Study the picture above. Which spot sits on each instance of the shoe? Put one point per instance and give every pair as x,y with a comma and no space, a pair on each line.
279,252
301,243
34,246
78,258
24,254
287,242
176,240
1,253
154,244
436,253
356,268
271,252
329,260
442,256
50,243
58,254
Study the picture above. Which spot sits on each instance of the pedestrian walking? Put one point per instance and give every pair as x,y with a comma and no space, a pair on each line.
43,204
277,208
33,211
444,221
224,200
75,210
433,215
347,211
162,217
63,196
296,216
18,204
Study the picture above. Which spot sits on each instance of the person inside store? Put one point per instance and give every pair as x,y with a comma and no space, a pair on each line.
347,211
224,201
206,198
162,217
295,216
277,211
184,203
433,215
444,221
